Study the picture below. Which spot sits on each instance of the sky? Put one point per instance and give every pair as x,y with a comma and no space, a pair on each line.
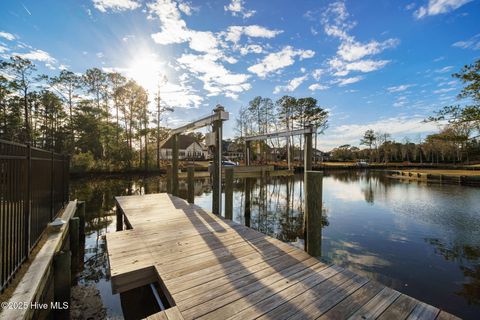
382,65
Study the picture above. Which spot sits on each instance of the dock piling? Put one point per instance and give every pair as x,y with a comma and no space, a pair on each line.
313,213
229,193
191,184
119,219
61,284
175,165
74,231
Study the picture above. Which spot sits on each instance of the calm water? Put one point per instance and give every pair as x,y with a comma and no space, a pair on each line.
423,240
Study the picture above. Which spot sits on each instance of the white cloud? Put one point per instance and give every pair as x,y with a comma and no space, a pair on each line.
7,36
3,49
353,50
344,81
186,7
251,48
173,28
37,55
279,60
236,8
410,6
292,85
398,127
350,52
435,7
317,73
472,43
444,90
234,33
100,55
366,65
444,69
115,5
400,88
317,86
215,77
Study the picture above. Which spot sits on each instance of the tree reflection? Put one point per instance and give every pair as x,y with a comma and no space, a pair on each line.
468,257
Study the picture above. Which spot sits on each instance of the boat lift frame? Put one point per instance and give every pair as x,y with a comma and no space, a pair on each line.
307,131
216,121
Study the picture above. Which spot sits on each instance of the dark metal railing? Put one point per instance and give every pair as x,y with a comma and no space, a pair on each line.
33,188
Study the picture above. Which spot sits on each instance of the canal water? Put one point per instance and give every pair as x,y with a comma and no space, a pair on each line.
423,240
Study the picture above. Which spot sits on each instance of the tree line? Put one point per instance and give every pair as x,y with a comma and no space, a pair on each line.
457,141
100,118
263,115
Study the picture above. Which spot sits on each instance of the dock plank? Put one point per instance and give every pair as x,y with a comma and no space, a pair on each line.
212,268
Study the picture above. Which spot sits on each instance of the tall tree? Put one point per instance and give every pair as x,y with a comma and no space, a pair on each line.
369,139
22,73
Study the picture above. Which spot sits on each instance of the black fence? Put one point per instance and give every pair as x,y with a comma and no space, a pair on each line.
33,188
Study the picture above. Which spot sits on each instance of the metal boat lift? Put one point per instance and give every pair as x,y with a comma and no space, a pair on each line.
216,121
308,132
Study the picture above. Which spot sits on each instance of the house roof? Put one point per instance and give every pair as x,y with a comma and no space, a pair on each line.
184,141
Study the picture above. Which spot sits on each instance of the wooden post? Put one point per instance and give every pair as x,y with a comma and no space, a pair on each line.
81,215
247,153
247,190
229,193
169,179
175,165
74,231
313,213
81,233
191,184
217,164
308,151
61,283
119,219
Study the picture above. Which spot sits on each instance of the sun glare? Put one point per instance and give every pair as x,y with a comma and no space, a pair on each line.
146,69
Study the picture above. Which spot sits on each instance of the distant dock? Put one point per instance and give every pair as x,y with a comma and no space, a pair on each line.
206,267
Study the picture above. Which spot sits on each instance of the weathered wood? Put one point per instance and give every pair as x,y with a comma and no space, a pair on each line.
62,282
313,213
169,179
74,230
213,268
217,165
119,215
175,165
191,184
34,280
229,193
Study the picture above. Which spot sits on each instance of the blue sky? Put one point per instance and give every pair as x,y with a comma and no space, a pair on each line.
383,65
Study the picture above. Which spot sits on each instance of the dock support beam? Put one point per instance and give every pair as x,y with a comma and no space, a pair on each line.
217,163
191,184
175,165
313,213
61,283
229,193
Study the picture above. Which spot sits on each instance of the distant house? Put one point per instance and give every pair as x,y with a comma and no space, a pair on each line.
318,155
232,150
188,149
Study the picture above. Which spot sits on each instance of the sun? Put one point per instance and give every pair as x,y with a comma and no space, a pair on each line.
147,69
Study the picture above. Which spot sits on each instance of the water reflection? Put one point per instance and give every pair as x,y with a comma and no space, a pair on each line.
423,240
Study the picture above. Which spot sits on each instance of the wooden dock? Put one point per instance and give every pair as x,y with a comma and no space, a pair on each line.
212,268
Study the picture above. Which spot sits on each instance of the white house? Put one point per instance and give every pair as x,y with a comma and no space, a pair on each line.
188,148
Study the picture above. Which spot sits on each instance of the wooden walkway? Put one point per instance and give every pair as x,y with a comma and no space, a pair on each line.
211,268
